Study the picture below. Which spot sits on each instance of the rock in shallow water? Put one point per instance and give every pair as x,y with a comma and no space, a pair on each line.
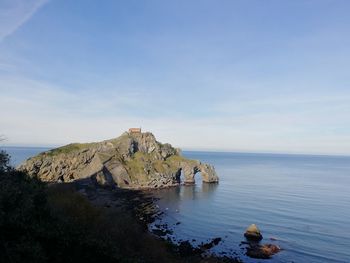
253,233
262,251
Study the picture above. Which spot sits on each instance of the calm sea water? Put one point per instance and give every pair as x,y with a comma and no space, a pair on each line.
302,201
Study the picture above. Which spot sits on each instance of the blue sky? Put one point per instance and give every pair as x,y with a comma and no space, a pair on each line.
261,76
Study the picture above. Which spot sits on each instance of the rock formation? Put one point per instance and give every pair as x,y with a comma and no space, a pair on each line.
255,249
133,160
253,233
262,251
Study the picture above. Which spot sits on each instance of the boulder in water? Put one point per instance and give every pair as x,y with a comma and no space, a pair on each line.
253,233
262,251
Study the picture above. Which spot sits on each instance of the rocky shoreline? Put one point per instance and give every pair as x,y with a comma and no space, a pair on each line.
142,205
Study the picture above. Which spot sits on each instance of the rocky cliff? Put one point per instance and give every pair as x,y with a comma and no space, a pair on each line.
133,160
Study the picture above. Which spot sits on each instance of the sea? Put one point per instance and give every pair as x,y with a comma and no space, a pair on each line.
299,202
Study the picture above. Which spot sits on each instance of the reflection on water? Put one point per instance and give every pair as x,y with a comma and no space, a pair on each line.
199,190
174,196
208,189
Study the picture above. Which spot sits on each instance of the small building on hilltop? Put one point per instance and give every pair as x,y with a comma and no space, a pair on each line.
135,130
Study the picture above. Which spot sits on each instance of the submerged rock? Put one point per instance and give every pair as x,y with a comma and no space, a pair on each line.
133,160
186,249
253,233
262,251
212,243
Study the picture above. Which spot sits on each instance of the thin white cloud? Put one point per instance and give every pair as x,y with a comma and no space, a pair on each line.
39,113
14,13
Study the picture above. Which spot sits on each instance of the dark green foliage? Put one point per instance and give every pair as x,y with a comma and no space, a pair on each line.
4,162
23,215
56,224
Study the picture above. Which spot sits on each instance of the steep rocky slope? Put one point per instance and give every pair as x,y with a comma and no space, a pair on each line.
133,160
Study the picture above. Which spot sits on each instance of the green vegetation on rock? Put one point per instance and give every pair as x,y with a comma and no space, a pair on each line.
70,148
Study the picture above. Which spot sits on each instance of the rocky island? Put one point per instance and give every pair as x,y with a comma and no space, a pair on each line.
134,160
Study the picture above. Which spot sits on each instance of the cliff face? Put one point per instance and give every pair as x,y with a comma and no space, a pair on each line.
129,161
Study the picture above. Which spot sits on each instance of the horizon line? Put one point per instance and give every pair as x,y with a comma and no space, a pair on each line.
185,149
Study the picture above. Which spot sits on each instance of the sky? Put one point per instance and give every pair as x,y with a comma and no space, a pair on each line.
221,75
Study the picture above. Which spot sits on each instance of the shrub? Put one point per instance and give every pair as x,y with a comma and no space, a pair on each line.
56,224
